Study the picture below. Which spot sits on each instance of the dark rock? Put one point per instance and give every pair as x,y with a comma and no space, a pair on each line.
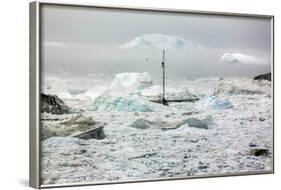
95,133
262,119
145,155
53,104
252,145
189,113
266,76
259,152
82,151
80,120
202,167
77,126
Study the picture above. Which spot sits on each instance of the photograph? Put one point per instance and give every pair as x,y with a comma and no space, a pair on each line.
142,95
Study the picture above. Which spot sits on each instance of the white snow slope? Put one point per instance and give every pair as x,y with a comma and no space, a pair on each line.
160,41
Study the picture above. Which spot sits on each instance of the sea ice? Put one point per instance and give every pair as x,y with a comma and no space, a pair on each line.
54,141
131,154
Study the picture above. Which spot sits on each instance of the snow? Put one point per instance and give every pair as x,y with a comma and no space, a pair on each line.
160,41
241,58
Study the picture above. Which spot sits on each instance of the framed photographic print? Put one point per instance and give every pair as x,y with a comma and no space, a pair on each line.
127,94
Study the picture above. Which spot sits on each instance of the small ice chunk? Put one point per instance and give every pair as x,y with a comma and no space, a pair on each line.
53,141
194,122
141,124
216,103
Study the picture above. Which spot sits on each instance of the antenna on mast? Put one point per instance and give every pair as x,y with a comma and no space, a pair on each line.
164,101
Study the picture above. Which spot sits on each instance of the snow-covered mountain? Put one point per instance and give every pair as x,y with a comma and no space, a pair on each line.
160,41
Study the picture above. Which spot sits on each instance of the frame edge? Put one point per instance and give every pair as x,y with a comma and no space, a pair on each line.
34,166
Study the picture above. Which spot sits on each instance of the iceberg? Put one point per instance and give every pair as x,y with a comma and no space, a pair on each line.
122,103
126,83
142,123
122,94
215,102
134,92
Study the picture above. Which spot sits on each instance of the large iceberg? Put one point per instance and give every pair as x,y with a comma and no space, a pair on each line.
122,94
133,92
126,83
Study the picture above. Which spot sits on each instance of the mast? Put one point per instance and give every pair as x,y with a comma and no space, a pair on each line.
163,70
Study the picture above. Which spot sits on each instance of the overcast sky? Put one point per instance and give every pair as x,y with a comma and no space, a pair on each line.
83,41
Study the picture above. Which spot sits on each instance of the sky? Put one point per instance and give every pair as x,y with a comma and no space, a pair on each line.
86,41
